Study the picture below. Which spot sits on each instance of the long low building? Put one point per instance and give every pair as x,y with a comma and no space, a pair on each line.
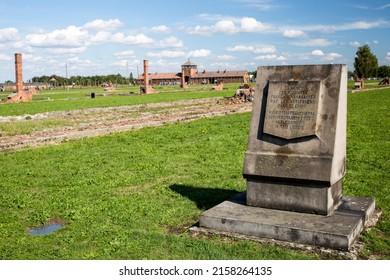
12,86
193,76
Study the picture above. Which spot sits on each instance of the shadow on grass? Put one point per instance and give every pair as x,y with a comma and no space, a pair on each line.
205,198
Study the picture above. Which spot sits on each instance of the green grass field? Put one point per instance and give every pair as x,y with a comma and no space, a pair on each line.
62,99
133,195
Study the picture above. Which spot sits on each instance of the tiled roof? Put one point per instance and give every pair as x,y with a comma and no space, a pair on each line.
161,76
198,75
220,74
189,62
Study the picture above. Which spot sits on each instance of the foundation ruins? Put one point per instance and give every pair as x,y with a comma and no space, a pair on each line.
20,95
218,86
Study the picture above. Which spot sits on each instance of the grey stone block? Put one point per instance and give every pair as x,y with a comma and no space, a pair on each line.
337,231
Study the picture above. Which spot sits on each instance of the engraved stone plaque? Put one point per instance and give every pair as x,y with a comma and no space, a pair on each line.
296,152
291,110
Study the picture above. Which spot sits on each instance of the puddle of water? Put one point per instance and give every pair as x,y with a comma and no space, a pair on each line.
45,229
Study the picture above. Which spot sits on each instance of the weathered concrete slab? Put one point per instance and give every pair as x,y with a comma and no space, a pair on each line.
336,231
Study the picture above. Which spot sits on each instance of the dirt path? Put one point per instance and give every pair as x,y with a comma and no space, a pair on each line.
104,121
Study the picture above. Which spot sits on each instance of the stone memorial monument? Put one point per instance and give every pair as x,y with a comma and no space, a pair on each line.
295,162
297,143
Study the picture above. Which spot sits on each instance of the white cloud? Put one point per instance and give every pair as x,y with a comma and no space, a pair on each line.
100,37
163,65
99,24
211,17
241,48
251,25
70,37
31,57
326,56
221,65
271,57
124,63
262,5
355,44
349,26
147,42
5,57
226,57
200,30
77,60
317,53
225,26
313,43
120,63
331,56
125,54
60,50
138,39
179,53
388,57
166,54
294,33
162,29
264,49
199,53
361,25
229,26
253,49
170,42
8,34
74,39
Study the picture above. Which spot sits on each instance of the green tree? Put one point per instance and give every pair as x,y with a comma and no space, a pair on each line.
384,71
131,78
366,63
254,73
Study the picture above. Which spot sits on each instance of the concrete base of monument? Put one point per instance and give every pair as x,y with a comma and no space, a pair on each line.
336,231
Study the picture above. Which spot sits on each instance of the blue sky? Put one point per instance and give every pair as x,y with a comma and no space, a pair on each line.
109,37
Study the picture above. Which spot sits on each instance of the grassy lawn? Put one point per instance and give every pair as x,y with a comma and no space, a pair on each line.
62,99
133,195
368,160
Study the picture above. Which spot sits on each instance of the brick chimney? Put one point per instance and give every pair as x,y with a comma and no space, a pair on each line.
18,72
146,88
21,95
146,73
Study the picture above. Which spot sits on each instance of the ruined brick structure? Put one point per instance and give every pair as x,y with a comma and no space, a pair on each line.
146,88
20,95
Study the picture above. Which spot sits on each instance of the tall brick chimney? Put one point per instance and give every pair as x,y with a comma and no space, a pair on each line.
18,72
146,88
146,73
20,95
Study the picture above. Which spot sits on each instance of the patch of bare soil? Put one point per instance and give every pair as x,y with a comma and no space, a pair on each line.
104,121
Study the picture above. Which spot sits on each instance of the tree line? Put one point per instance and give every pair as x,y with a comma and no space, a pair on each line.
366,65
96,80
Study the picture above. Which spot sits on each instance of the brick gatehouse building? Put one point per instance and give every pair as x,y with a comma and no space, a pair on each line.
193,76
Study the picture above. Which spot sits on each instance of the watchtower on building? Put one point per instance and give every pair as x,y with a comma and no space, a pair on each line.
188,70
